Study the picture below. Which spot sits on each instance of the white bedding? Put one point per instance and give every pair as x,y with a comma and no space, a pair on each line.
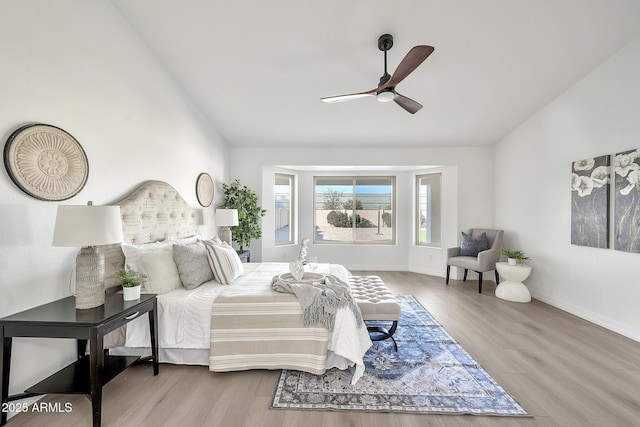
184,317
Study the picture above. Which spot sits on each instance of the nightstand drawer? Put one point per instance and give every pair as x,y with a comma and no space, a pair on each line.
133,310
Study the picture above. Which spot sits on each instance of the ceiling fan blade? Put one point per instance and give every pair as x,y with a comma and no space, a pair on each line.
407,103
348,97
411,61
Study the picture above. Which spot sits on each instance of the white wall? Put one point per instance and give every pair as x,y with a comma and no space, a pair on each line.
599,115
78,65
467,205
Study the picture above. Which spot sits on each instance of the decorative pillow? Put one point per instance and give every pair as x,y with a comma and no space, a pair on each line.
215,240
193,264
224,262
470,246
161,271
132,253
183,240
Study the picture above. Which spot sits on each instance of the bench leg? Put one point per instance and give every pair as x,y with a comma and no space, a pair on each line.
378,333
391,332
448,270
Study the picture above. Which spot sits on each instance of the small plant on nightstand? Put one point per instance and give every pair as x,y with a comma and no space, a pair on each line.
131,281
513,256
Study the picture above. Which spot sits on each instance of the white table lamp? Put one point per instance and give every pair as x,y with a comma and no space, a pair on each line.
86,227
226,218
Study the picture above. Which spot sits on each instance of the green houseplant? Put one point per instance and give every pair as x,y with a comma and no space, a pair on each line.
245,200
131,281
517,256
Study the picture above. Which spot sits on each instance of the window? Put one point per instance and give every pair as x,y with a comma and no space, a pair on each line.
283,209
428,216
354,210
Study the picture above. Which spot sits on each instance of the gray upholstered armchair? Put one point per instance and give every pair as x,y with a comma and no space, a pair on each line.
486,259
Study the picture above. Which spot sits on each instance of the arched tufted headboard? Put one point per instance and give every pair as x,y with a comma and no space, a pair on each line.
155,211
152,212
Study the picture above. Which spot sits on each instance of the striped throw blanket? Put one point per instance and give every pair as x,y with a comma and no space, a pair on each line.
254,327
264,331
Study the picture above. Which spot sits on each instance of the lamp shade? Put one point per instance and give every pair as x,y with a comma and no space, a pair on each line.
227,217
87,225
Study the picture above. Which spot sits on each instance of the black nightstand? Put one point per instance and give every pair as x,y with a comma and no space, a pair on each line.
61,319
245,256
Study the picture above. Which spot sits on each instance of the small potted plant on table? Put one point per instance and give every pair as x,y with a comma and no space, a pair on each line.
514,257
131,281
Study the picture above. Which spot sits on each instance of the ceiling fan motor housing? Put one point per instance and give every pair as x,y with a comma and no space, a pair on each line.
386,95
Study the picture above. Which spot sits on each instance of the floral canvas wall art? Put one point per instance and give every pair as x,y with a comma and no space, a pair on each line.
627,201
590,202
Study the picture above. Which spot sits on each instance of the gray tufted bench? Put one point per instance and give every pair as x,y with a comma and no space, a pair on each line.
376,303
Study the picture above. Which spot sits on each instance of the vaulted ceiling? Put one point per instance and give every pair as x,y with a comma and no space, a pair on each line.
257,69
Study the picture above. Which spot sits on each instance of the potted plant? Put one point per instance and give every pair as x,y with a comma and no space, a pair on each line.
513,256
131,281
245,200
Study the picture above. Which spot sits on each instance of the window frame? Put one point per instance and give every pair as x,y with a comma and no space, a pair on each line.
417,210
292,208
354,241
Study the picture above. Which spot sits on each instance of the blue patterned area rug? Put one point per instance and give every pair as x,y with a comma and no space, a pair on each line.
430,374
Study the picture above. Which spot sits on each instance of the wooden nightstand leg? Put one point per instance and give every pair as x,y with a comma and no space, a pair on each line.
96,363
153,331
5,361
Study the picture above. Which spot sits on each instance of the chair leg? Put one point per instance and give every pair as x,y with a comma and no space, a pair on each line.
448,270
497,278
479,283
464,278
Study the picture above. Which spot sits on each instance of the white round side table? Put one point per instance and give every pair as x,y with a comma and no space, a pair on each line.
511,287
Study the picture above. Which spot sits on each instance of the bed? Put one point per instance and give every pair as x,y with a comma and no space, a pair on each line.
236,326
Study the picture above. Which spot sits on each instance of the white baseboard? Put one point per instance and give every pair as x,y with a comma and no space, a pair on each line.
437,272
592,317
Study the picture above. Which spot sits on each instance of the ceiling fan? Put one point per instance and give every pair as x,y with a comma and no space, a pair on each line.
386,90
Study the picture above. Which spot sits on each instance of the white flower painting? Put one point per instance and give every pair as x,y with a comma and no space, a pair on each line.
590,183
627,201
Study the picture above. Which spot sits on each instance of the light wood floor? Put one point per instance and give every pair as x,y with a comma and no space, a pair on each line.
563,370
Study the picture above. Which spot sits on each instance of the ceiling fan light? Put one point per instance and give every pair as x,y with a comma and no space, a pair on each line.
386,96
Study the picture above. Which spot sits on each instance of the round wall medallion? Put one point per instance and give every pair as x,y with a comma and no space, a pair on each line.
46,162
204,189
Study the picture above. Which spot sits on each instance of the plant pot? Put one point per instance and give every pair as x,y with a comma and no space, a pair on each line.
512,261
131,293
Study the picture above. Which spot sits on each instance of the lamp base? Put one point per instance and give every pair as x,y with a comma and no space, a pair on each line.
225,235
89,278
